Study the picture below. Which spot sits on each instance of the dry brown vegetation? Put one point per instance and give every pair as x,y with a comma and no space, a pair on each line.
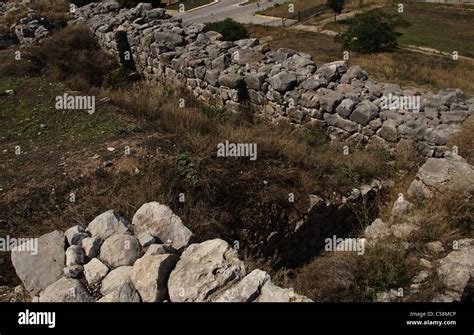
464,140
55,11
410,69
173,152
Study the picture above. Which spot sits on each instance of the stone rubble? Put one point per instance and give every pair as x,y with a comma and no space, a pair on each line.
456,268
121,270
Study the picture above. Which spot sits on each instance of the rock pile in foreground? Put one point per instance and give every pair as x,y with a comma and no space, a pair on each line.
452,263
153,259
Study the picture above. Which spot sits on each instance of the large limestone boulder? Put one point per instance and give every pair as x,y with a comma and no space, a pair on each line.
120,250
272,293
75,255
377,229
75,235
91,246
108,224
457,268
283,81
150,275
365,112
38,271
95,271
160,221
451,173
203,269
119,281
247,289
66,290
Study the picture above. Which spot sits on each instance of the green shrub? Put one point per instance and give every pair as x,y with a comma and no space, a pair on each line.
372,32
188,168
230,29
213,112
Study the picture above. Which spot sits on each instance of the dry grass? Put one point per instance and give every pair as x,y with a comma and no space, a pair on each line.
302,5
87,68
464,140
52,10
345,276
447,217
410,69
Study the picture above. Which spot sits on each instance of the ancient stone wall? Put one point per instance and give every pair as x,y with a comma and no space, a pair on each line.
246,76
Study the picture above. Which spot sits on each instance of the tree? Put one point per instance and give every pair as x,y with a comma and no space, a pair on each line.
230,29
372,32
336,5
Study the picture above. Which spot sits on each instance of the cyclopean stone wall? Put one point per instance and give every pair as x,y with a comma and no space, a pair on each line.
284,84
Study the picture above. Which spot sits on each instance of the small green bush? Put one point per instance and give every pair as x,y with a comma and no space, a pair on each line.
230,29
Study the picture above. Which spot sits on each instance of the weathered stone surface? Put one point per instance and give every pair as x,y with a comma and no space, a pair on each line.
169,38
75,255
257,97
332,70
435,247
272,293
283,81
245,290
315,82
120,250
160,249
91,246
95,271
444,174
454,117
457,268
75,235
145,239
107,224
404,230
449,96
66,290
150,275
73,271
116,280
203,269
310,99
126,294
38,271
254,81
221,62
337,121
377,229
329,101
345,108
160,221
364,112
231,80
354,72
388,131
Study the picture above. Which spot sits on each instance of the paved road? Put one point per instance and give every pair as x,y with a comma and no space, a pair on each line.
230,8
